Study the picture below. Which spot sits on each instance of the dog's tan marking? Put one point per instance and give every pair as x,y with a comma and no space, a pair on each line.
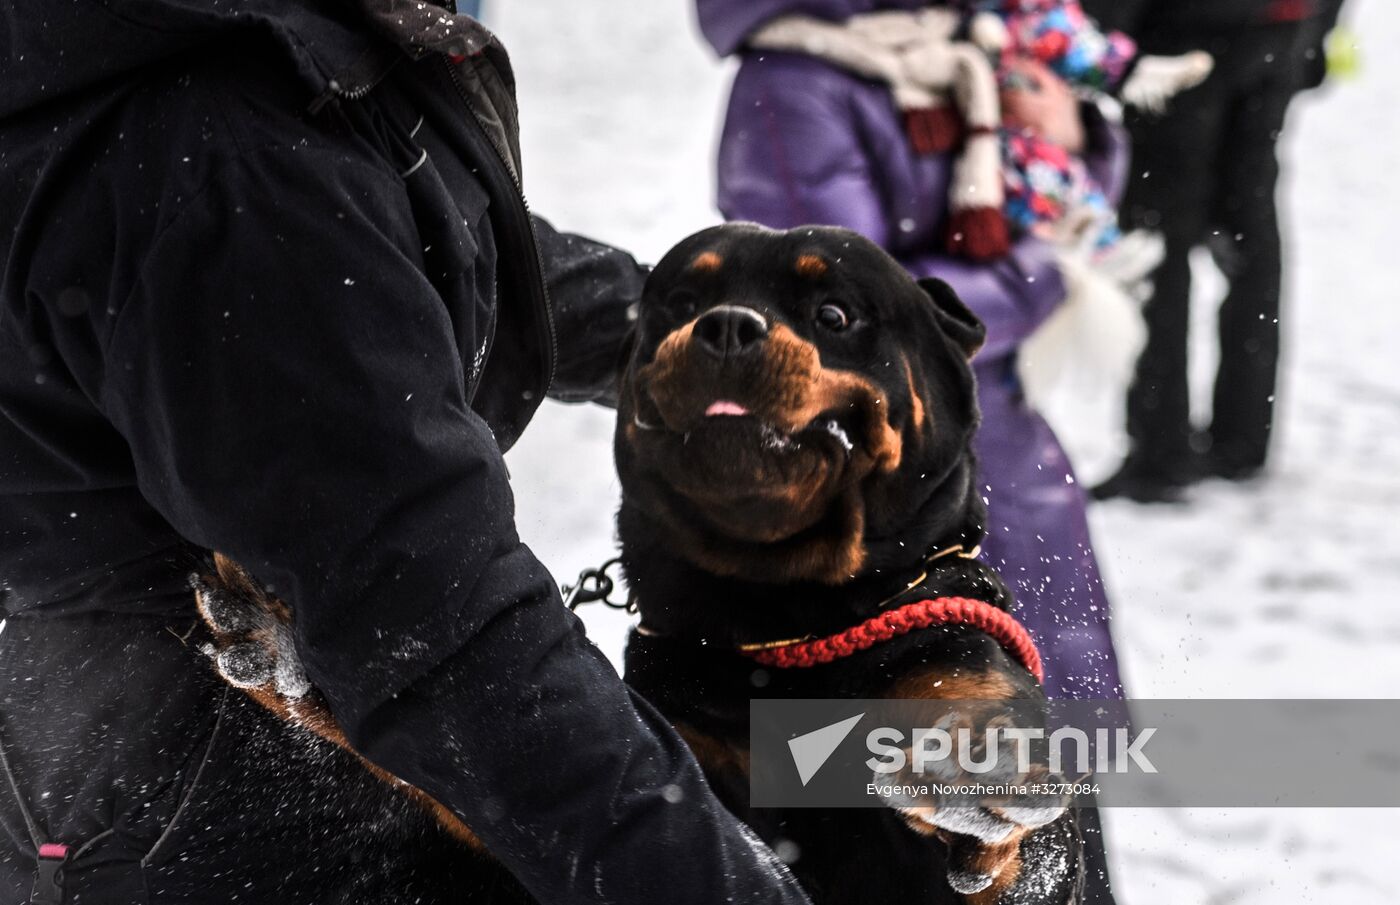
953,684
714,755
999,860
707,262
792,388
812,266
1002,862
805,389
916,400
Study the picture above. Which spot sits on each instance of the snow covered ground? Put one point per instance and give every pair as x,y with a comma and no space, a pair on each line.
1286,588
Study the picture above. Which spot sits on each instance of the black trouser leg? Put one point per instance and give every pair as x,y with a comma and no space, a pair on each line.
1210,164
1159,405
1252,260
1172,185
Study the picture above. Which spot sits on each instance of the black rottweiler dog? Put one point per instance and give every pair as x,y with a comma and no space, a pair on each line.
794,446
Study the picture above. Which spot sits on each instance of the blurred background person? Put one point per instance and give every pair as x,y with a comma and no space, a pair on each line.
1314,60
1205,172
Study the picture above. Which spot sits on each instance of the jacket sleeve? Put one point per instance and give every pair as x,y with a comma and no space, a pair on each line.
801,160
594,290
292,395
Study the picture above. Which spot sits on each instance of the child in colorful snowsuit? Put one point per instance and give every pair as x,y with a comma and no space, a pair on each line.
1044,181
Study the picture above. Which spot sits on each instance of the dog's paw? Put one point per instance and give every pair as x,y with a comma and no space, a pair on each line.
984,843
252,644
982,802
246,665
992,819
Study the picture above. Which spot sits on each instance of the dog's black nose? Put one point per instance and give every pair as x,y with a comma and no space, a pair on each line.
730,330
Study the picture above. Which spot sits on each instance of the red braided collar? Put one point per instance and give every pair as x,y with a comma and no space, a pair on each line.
902,620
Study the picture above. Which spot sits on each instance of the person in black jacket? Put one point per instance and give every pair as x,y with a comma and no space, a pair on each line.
1205,173
270,288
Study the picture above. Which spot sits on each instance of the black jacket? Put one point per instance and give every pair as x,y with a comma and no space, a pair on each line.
1159,22
270,289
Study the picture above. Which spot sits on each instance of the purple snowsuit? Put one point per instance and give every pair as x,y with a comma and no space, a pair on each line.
805,142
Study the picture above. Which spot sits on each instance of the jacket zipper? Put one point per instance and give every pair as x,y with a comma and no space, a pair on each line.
537,259
334,91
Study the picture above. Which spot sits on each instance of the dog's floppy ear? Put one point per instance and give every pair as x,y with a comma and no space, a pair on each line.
624,357
956,320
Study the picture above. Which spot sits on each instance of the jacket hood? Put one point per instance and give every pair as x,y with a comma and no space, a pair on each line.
726,23
53,48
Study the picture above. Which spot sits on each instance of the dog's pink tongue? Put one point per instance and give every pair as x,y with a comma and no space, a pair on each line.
725,407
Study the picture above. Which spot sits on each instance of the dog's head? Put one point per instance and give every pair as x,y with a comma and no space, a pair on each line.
789,396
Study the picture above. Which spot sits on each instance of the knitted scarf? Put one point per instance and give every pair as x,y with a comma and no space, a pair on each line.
946,90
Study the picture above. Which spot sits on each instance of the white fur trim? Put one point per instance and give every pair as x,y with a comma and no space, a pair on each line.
1132,259
1097,334
1156,80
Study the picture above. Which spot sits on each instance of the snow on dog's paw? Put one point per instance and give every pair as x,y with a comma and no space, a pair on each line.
989,823
223,612
984,843
246,665
252,645
979,823
982,803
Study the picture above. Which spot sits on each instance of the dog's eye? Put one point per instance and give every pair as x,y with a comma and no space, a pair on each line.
833,317
683,302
